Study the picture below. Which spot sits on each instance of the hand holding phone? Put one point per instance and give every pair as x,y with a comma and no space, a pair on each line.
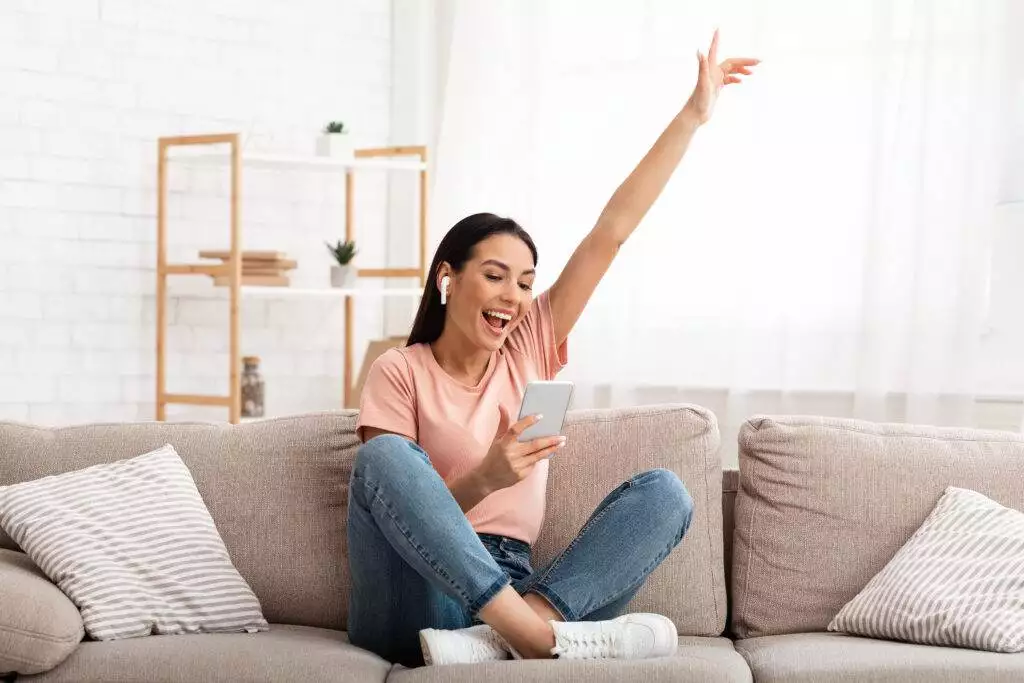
510,459
550,400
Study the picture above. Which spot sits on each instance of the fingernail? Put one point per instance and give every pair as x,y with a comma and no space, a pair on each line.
562,440
538,417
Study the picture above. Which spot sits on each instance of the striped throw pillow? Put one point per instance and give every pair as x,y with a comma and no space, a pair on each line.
134,547
958,581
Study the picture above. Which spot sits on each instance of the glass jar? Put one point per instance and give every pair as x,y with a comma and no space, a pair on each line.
252,387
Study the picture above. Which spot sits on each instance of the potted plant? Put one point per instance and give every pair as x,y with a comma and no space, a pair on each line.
343,253
335,142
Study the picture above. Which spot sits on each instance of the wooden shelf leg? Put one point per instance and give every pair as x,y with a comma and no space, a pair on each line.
235,276
423,221
349,232
348,352
161,278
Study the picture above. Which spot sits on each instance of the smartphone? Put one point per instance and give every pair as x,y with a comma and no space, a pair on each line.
550,400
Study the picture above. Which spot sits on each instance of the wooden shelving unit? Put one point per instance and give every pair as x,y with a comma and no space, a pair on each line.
408,158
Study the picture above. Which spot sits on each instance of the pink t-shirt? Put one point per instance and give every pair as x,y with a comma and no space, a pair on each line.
407,392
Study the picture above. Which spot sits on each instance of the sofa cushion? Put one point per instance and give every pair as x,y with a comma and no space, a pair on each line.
39,625
276,489
825,503
958,581
284,653
698,660
816,657
133,546
606,447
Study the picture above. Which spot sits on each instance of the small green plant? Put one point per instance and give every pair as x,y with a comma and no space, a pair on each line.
335,127
343,252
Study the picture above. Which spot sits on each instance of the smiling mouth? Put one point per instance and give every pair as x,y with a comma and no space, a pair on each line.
496,319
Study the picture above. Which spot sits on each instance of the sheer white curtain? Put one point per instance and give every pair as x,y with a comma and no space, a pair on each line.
824,246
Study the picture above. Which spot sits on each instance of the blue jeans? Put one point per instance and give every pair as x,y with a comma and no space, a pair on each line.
416,563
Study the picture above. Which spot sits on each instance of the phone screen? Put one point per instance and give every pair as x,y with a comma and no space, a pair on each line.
550,400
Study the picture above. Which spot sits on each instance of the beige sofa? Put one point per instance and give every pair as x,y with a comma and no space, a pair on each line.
820,507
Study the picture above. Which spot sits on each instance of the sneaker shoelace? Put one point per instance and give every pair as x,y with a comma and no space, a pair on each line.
592,645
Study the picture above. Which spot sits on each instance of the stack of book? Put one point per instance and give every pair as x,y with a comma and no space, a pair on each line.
263,268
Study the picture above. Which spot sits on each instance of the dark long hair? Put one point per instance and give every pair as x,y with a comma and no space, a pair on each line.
455,249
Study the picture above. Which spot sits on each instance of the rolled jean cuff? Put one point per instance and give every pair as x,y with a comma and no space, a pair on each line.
476,605
560,606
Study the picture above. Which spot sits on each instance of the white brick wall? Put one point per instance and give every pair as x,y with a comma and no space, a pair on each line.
86,87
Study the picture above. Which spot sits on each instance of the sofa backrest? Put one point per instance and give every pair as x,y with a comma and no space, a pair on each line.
825,503
278,490
606,447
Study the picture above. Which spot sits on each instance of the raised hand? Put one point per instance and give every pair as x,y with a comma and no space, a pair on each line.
712,77
638,192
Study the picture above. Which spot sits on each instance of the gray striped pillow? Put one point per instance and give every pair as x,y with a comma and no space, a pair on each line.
134,547
958,581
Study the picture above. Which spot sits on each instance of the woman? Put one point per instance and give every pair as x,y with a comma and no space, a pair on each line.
445,500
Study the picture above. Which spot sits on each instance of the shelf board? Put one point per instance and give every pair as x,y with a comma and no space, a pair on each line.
331,292
388,272
313,163
211,269
197,399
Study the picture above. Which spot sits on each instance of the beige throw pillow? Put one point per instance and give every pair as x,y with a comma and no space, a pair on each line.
39,625
958,581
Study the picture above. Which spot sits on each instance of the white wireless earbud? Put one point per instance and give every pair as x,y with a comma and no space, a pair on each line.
444,289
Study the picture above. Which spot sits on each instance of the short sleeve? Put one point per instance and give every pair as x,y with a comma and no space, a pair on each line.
388,400
534,337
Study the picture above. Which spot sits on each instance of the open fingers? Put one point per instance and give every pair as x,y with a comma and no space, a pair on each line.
546,452
519,427
739,61
702,67
534,446
713,50
738,66
504,419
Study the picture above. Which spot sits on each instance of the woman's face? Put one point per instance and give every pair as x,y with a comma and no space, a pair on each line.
493,292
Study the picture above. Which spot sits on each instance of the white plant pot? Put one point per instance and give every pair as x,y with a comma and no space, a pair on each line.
335,146
342,276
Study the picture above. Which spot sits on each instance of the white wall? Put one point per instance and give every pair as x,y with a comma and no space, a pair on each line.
413,97
86,87
1002,363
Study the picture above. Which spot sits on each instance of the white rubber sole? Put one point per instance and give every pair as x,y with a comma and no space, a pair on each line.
665,632
672,635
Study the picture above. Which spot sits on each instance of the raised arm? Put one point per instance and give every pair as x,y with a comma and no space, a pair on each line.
635,196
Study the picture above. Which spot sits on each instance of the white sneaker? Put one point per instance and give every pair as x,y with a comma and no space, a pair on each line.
462,646
631,636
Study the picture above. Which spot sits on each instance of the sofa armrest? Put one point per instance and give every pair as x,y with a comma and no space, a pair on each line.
39,625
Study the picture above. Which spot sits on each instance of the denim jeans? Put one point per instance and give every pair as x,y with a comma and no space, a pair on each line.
415,561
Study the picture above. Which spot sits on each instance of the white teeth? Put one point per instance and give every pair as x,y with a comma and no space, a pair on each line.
496,314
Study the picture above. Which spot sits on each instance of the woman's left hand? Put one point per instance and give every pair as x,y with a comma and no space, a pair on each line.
712,77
